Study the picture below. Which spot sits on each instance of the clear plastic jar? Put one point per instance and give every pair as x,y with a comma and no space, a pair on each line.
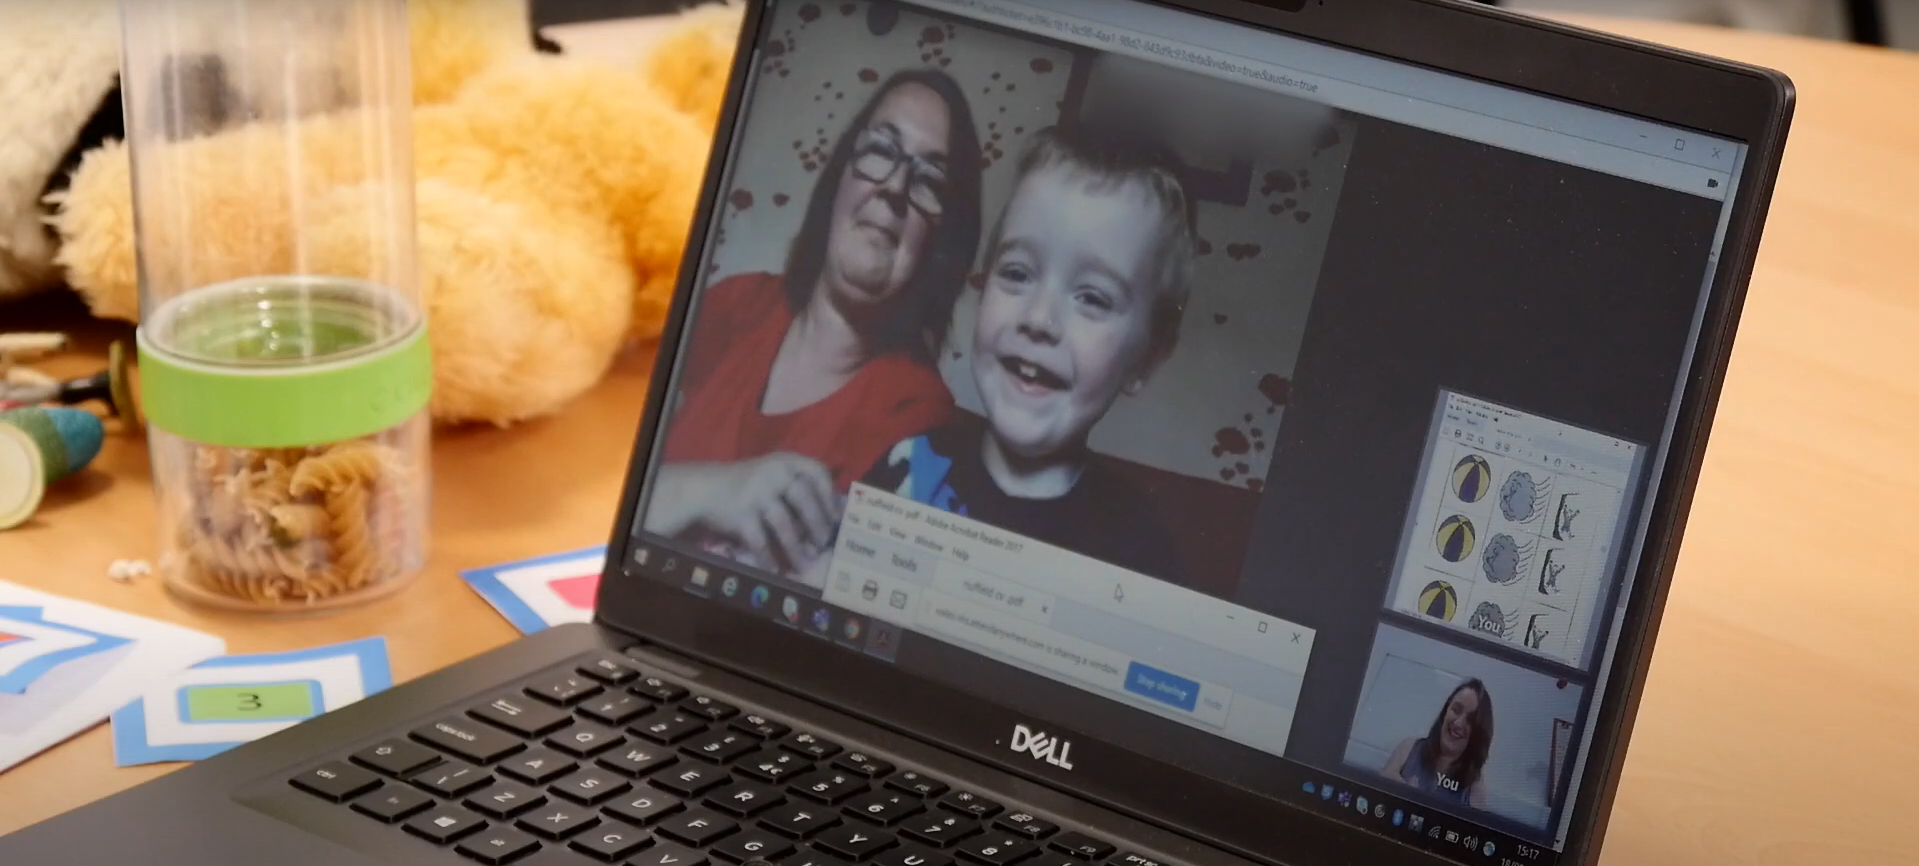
284,364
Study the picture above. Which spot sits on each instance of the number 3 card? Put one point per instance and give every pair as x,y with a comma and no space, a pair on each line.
227,701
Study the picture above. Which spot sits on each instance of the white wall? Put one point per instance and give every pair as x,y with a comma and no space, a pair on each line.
1410,678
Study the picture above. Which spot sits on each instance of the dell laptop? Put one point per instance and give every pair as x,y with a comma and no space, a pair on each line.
1104,433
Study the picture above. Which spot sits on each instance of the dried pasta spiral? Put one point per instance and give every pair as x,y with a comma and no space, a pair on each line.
342,467
298,525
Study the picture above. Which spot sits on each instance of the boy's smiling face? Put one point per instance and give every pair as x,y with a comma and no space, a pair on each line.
1066,316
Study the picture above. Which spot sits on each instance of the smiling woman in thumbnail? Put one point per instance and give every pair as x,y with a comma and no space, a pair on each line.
796,382
1450,760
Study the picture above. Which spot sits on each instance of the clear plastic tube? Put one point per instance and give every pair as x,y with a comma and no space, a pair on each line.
284,366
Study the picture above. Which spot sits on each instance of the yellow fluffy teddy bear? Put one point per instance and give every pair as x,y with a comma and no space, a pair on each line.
553,198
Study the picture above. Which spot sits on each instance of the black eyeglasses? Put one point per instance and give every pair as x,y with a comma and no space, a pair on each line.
877,156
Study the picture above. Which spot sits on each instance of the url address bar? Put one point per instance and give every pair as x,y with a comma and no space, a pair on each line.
1346,95
1079,29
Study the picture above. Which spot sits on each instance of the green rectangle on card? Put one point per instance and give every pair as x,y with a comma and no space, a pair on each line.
250,703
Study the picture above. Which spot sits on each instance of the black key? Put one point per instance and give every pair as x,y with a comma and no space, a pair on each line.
811,746
452,778
638,759
972,804
912,855
556,857
745,799
696,826
1128,858
498,845
710,707
798,820
752,845
565,690
1080,845
585,739
829,786
854,841
761,726
863,764
610,670
396,757
591,785
915,782
809,857
721,746
558,821
669,728
668,854
885,808
505,800
521,715
644,807
611,842
656,689
615,708
336,781
773,765
941,829
538,766
997,849
474,742
1028,825
691,780
1054,858
392,804
444,824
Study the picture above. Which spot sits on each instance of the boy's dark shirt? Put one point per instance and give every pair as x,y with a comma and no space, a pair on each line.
1103,516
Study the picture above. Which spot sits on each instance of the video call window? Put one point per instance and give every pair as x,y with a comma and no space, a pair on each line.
1056,290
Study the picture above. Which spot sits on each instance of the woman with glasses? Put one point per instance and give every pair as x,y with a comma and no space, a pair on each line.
796,383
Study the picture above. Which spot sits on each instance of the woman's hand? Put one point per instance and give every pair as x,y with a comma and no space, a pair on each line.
780,507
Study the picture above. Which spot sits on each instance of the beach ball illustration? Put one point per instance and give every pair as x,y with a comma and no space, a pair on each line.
1455,538
1472,478
1439,600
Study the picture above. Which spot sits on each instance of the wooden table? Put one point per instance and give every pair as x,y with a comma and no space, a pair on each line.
1778,724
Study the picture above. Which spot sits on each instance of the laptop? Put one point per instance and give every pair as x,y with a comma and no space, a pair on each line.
1104,433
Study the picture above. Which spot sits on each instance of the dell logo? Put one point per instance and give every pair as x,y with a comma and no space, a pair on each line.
1052,750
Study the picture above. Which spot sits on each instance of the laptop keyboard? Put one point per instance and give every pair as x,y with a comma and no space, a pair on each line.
606,764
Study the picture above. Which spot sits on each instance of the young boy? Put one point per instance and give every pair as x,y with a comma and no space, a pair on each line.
1086,284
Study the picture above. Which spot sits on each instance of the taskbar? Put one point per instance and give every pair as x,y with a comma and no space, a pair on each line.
795,606
782,602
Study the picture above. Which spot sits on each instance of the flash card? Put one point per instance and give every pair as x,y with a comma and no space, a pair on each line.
536,594
66,665
227,701
30,646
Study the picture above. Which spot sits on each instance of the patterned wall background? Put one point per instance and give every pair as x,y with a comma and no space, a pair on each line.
1266,167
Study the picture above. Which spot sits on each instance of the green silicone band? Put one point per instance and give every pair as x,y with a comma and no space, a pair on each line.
285,406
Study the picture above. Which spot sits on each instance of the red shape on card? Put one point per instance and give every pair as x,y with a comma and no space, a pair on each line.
577,592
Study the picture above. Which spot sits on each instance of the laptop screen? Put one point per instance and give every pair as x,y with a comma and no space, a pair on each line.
1277,408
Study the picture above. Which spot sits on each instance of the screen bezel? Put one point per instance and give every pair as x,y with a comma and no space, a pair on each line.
1721,98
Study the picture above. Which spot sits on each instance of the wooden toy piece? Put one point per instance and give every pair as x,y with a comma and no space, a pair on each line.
39,447
112,386
18,384
31,345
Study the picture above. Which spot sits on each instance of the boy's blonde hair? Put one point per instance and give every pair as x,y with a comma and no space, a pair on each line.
1112,159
